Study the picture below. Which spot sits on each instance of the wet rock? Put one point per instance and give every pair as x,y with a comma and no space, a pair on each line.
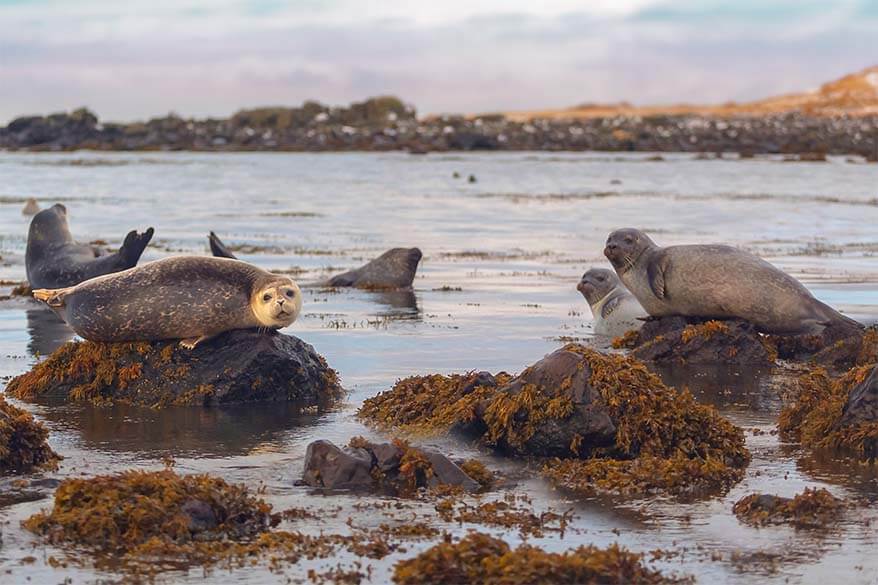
235,367
396,467
684,340
200,515
565,377
328,466
862,403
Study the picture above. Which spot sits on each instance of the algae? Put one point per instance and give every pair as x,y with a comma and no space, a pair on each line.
813,414
23,446
813,508
482,559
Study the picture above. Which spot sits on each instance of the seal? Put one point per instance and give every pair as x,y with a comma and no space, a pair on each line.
615,310
53,259
394,269
191,298
718,282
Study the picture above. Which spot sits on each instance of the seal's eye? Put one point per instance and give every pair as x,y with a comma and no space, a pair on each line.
290,293
602,278
266,297
628,239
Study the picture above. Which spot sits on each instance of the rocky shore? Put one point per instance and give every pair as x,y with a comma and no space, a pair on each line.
387,123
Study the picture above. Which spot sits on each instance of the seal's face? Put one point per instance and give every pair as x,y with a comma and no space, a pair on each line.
624,247
596,284
277,304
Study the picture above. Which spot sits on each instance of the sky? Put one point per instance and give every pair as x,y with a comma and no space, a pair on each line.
135,59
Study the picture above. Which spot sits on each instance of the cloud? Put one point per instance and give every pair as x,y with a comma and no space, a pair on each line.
135,59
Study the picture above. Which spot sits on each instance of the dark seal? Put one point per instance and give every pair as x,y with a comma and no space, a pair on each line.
54,259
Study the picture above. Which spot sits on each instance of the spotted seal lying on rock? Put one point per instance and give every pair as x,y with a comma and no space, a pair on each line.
718,282
191,298
54,259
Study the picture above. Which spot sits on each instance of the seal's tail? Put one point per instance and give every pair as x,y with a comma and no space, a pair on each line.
134,245
54,297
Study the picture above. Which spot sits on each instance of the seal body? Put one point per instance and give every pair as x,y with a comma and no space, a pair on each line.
394,269
53,259
717,282
615,310
191,298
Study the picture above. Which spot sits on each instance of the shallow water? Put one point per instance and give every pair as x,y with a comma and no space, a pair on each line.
516,242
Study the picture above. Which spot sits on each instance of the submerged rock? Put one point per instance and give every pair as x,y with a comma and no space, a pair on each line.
237,366
813,508
396,467
23,446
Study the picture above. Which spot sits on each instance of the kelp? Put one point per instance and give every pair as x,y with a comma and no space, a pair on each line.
482,559
813,508
664,439
813,414
23,441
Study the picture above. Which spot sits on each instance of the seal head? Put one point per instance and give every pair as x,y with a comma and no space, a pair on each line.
625,247
277,304
597,283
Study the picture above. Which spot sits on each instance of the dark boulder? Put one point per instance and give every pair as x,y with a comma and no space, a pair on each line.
862,402
387,467
235,367
678,340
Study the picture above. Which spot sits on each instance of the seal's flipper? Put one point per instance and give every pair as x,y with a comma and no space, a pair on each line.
218,248
54,297
134,245
191,342
345,279
655,271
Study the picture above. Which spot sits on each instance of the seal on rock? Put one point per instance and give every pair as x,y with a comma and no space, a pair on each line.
718,282
191,298
615,310
53,259
394,269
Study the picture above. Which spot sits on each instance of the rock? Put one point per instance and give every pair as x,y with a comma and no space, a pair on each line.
200,514
396,467
562,375
235,367
684,340
862,403
447,472
327,466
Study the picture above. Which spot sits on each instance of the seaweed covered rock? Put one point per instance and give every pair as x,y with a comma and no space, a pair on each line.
813,508
614,424
840,413
23,446
483,559
135,511
237,366
846,352
686,340
397,467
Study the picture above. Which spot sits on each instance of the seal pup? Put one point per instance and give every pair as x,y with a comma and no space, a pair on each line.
31,207
53,259
718,282
191,298
394,269
614,308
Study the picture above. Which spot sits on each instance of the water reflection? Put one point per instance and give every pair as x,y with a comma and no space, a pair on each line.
403,304
182,431
47,331
756,389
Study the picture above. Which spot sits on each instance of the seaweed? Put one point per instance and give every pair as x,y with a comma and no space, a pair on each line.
23,446
814,414
483,559
664,439
813,508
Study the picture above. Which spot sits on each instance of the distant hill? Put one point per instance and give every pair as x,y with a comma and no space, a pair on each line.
853,95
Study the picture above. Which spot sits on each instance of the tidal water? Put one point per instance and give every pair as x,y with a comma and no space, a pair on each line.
515,243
